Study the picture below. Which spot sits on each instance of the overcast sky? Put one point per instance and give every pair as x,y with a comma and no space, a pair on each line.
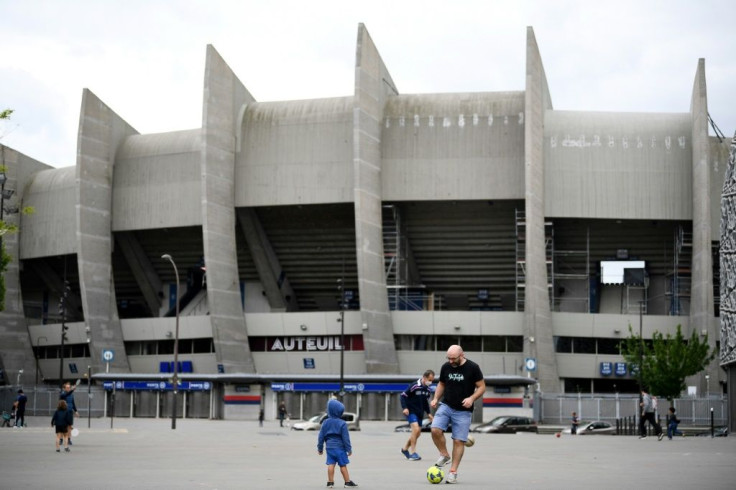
145,58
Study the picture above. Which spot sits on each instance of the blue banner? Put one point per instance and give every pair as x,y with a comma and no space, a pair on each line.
620,369
157,385
349,387
606,368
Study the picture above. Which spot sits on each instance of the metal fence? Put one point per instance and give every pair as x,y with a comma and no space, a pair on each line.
42,400
557,408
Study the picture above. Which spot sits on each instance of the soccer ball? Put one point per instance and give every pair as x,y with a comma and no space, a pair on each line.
435,474
470,441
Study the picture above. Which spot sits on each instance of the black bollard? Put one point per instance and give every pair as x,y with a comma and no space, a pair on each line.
712,426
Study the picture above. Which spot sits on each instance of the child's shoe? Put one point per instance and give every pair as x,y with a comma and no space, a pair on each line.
330,484
350,484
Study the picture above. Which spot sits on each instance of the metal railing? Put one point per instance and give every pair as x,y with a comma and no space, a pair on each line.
556,408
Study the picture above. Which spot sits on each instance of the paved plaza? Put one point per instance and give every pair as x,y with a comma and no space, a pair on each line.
203,454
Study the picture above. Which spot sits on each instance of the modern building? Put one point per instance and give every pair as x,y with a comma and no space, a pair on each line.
532,236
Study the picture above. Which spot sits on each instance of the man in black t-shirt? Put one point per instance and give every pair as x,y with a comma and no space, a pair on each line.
461,384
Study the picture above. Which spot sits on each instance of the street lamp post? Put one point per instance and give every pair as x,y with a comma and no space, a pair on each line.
641,351
175,380
341,290
64,328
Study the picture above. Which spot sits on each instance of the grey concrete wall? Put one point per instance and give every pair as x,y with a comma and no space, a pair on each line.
719,154
702,318
538,342
295,152
618,165
224,95
453,146
701,289
101,132
15,350
52,194
157,181
373,87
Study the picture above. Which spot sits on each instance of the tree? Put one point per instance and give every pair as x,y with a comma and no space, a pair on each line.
666,360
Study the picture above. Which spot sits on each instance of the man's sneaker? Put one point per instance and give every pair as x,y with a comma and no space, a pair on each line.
451,477
660,436
350,484
415,457
442,461
66,450
330,484
406,453
58,450
70,441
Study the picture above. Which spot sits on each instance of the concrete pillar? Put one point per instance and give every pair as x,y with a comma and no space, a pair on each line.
537,314
276,285
224,95
702,317
101,132
373,85
15,348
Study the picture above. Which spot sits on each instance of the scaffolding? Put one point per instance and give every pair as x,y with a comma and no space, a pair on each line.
520,221
678,281
569,266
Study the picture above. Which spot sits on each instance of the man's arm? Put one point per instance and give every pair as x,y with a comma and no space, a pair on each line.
437,394
480,388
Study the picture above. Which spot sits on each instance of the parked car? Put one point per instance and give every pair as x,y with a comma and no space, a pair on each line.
507,424
426,427
315,421
594,428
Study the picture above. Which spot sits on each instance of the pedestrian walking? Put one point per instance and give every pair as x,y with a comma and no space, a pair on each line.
574,424
648,406
61,421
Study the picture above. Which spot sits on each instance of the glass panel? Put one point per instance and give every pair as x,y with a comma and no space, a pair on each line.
424,342
472,343
445,341
563,345
515,343
583,345
608,346
494,343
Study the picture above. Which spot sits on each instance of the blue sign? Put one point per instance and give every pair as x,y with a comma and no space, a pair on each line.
634,369
530,363
108,355
308,363
349,387
620,369
157,385
73,367
606,368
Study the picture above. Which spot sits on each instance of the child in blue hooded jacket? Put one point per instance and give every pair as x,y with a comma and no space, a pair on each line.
334,437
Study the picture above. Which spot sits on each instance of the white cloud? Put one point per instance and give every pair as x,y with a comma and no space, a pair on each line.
146,59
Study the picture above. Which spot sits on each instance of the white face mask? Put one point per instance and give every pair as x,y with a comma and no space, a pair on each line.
428,383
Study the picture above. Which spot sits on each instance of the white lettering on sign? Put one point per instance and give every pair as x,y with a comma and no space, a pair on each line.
297,344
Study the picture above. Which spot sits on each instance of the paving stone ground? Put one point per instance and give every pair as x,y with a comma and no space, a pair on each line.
204,454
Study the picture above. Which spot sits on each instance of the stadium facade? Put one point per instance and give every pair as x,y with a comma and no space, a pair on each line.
364,234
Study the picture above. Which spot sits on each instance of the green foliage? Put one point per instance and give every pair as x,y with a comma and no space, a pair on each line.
5,114
667,361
